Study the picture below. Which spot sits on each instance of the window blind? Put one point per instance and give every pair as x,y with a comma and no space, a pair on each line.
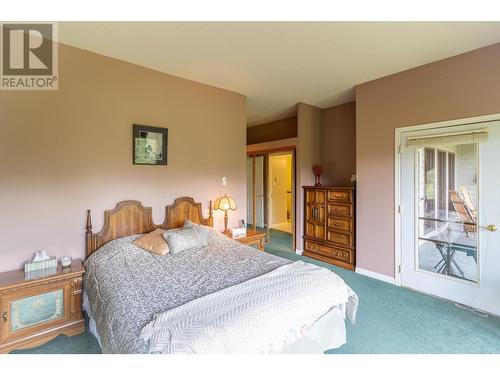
461,138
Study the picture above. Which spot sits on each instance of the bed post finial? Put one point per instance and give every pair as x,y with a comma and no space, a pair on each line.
89,222
88,237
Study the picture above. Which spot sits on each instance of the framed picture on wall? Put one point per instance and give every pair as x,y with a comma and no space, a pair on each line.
150,145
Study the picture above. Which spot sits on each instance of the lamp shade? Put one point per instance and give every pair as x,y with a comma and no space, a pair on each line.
225,203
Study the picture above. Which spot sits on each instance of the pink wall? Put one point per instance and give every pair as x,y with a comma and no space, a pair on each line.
458,87
308,154
63,152
339,144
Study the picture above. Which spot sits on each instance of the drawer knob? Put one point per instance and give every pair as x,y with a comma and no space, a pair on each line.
4,316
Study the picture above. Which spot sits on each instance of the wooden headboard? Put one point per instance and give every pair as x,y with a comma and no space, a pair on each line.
131,217
185,208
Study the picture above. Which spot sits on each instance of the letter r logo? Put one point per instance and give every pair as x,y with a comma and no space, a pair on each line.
27,49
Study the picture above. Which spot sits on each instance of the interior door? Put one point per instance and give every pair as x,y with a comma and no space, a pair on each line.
259,190
450,205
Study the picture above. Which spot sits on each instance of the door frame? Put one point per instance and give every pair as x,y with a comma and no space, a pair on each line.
292,149
398,137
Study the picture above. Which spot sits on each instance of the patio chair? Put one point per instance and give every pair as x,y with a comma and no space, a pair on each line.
469,204
467,216
463,213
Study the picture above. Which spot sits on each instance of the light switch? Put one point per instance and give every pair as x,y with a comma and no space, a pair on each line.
224,180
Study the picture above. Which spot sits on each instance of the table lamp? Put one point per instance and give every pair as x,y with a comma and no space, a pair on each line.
225,204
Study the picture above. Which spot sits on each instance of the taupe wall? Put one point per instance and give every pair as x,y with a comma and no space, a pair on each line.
308,154
339,144
462,86
272,131
66,151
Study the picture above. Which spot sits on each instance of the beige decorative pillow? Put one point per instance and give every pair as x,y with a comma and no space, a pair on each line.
153,242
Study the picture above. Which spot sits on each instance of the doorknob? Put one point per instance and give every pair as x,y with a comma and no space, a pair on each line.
490,227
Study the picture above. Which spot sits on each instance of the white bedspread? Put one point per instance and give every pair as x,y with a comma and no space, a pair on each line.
261,315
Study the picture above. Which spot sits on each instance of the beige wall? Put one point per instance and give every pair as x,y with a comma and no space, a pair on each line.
308,154
69,150
339,144
462,86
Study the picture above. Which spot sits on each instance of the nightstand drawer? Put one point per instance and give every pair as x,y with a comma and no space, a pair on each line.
255,239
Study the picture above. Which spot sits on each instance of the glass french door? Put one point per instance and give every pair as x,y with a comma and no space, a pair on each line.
449,206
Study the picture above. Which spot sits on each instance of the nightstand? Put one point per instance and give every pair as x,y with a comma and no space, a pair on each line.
252,238
34,311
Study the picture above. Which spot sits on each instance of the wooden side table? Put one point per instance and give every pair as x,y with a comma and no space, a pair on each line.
35,310
253,238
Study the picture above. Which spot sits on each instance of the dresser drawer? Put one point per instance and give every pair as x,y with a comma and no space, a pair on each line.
342,224
344,255
339,237
339,210
340,195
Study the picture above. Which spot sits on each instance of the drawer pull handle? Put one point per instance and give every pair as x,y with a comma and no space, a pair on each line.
4,316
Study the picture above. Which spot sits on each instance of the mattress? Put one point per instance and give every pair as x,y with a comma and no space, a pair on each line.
125,287
328,332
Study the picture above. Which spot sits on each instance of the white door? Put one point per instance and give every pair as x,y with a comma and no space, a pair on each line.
259,186
450,206
259,190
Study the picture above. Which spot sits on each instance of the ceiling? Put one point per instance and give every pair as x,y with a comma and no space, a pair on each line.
277,64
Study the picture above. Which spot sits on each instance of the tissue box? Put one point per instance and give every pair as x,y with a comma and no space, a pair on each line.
238,232
36,265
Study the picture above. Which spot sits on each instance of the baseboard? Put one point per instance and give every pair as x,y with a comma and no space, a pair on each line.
279,224
375,275
298,251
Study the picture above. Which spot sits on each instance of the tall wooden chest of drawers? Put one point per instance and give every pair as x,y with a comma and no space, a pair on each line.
329,225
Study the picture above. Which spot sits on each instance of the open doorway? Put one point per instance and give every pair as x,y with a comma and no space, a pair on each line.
271,196
280,192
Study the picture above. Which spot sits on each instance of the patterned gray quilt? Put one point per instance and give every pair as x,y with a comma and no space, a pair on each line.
126,285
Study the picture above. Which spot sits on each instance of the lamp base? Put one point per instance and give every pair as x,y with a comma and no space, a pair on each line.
226,231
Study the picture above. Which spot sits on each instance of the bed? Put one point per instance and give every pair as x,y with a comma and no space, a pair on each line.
225,297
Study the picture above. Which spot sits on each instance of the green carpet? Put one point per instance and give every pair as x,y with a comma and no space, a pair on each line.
390,320
280,239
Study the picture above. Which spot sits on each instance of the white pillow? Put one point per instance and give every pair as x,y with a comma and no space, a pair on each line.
186,238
